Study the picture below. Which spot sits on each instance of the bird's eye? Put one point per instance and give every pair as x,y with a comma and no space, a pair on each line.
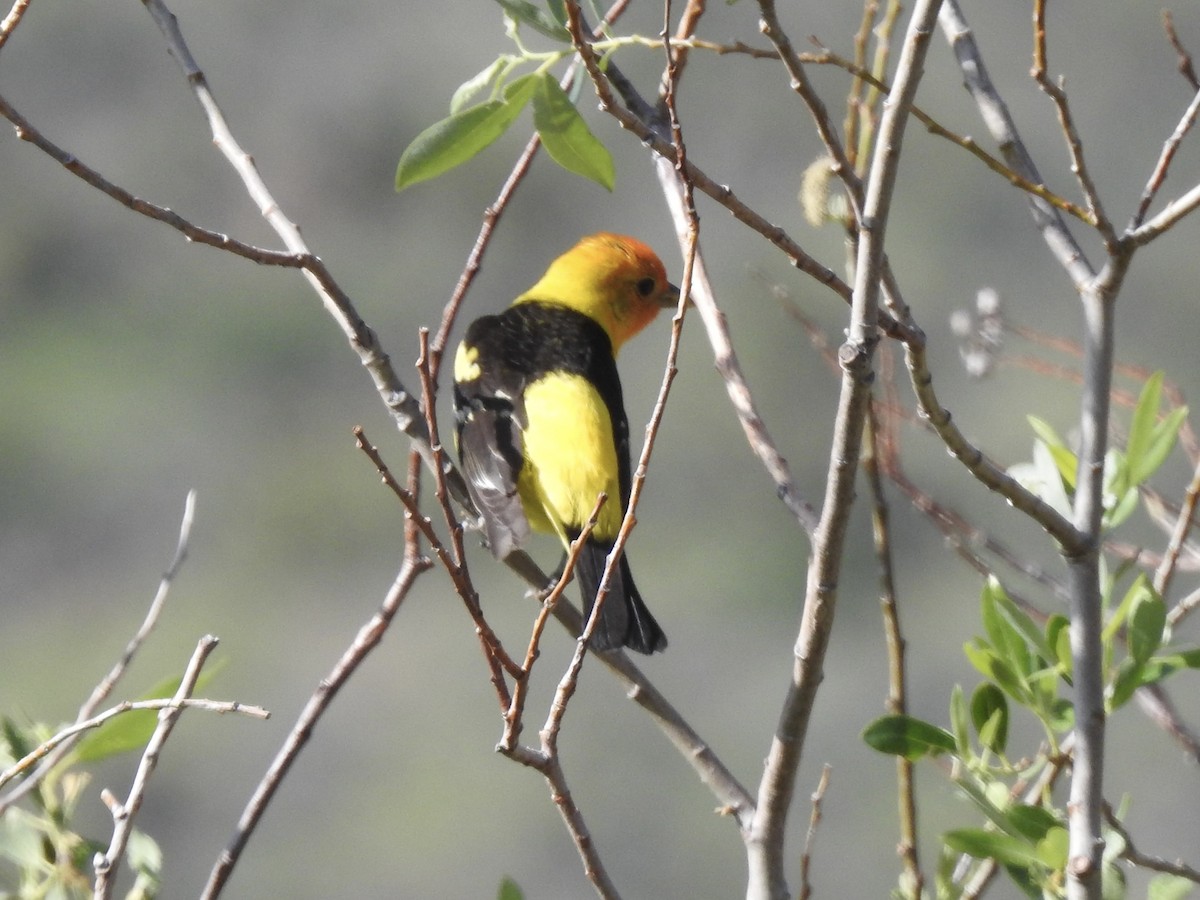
645,286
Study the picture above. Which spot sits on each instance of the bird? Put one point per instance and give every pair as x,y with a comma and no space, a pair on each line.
540,421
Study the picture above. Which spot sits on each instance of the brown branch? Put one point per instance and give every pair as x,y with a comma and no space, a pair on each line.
1155,863
513,716
494,650
1182,56
1003,129
1159,174
107,863
368,637
878,434
840,164
814,819
1009,173
1066,121
12,20
102,690
66,737
766,838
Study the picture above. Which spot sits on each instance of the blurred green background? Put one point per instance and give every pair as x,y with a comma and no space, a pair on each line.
134,366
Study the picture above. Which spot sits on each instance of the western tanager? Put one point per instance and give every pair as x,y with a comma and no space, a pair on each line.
541,425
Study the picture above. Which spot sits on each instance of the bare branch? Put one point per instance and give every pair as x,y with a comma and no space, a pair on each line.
1154,863
368,637
766,838
818,797
897,703
1003,129
701,292
106,864
102,690
27,132
841,165
12,20
68,734
1058,97
513,716
1183,57
1167,217
1159,175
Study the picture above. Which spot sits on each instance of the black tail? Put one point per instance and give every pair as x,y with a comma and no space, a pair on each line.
624,619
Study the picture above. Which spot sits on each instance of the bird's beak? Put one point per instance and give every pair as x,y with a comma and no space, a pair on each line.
669,297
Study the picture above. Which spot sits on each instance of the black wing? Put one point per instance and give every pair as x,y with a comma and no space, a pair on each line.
489,414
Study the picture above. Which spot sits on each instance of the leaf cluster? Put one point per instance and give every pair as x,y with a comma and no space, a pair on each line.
45,856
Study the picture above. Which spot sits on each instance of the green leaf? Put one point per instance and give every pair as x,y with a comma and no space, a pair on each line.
1120,507
132,730
1032,822
460,137
1052,849
1128,679
1146,622
1156,668
958,722
566,136
1004,637
1168,887
145,858
17,742
1058,639
912,738
558,12
989,713
472,87
1170,663
992,667
122,734
983,844
1141,427
509,890
1112,882
1020,620
1162,442
1064,459
1061,715
1140,588
527,13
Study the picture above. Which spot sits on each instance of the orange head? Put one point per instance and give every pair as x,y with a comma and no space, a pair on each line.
617,281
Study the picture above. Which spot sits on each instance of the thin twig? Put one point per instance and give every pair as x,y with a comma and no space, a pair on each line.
814,819
999,122
841,164
766,838
986,471
1154,863
107,863
897,702
368,637
1182,56
494,650
403,407
102,690
261,255
71,732
514,715
1159,175
716,326
12,20
1066,121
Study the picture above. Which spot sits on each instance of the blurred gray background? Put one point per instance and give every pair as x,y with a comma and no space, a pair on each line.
134,366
